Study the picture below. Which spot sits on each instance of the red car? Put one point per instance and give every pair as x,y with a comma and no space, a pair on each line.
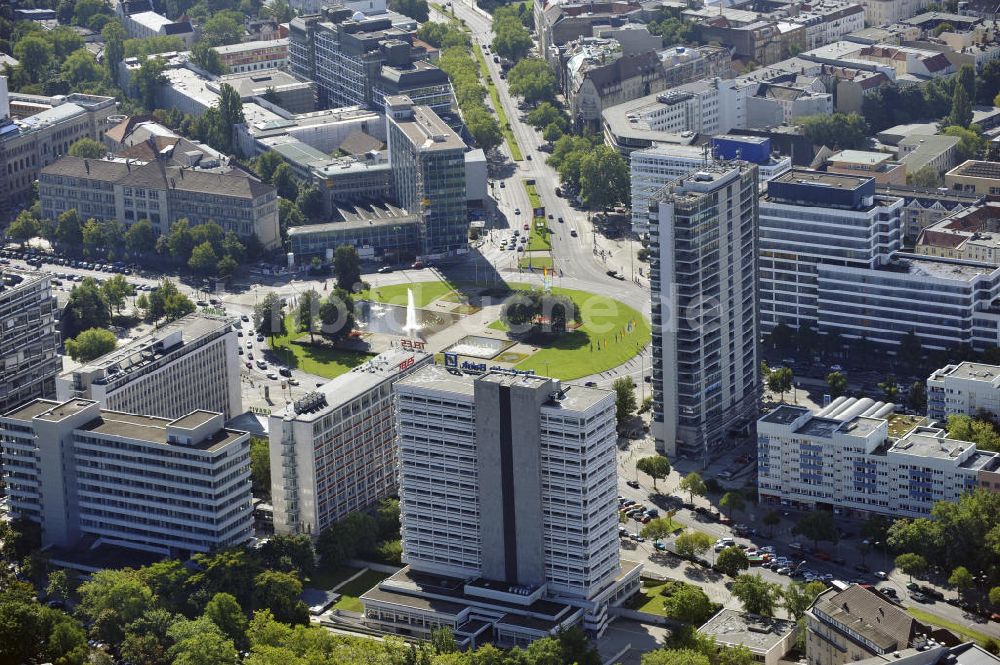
525,227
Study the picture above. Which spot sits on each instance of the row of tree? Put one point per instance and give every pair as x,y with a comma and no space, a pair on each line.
90,305
598,172
511,40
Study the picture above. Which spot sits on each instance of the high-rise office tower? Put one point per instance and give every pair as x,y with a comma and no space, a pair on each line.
29,338
507,492
703,237
428,168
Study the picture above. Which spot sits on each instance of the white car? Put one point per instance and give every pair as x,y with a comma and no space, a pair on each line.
881,574
768,549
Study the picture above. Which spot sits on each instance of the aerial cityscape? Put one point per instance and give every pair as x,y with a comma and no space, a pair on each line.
499,332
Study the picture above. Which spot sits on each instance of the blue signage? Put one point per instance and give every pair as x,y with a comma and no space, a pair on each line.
451,360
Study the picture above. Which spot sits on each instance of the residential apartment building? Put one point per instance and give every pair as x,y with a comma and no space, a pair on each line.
36,131
652,168
595,81
358,60
131,191
29,337
809,218
703,278
975,177
140,21
507,493
190,364
925,206
428,169
964,388
887,12
333,451
970,235
847,625
558,22
172,486
254,56
855,456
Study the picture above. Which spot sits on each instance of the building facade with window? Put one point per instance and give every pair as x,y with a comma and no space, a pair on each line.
333,451
186,365
172,486
29,337
965,388
130,191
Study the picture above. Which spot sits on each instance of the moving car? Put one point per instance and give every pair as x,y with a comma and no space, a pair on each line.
633,484
384,270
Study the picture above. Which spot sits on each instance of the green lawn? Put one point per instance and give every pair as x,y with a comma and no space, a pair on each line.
424,293
538,262
327,579
321,361
351,592
649,599
593,347
957,628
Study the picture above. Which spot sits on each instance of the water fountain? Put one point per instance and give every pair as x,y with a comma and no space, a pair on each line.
411,327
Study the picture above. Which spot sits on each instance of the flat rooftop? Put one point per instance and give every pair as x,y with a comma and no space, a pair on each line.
436,377
154,430
335,393
139,352
822,178
428,132
922,442
977,169
965,271
785,414
860,157
759,634
970,372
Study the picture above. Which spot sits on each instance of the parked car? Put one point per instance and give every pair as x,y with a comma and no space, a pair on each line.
634,484
881,575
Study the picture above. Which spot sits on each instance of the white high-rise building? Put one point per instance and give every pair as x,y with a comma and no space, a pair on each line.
333,451
703,277
811,218
187,365
175,486
29,337
508,490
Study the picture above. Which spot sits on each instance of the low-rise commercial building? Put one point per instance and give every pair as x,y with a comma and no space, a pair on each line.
880,166
965,388
378,232
935,152
129,192
287,92
767,638
174,486
974,176
190,364
254,56
507,494
29,337
334,450
855,456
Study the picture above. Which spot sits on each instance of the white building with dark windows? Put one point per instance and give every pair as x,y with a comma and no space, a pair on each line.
703,277
173,486
186,365
964,388
29,337
856,456
335,448
507,492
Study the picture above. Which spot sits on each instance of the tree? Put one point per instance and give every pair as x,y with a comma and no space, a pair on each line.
347,267
308,315
231,110
780,380
337,314
81,68
200,642
60,585
284,181
837,130
85,309
689,604
837,383
532,79
415,9
222,28
484,128
656,467
24,227
167,301
91,344
995,595
113,599
114,45
693,484
889,388
115,290
260,466
203,259
732,560
207,58
69,235
510,39
604,178
967,79
971,143
546,114
139,238
35,54
732,502
756,595
658,529
443,640
917,398
268,315
674,657
691,544
148,78
552,133
625,403
771,519
816,526
310,202
961,108
227,615
911,564
799,597
926,176
180,241
265,165
961,579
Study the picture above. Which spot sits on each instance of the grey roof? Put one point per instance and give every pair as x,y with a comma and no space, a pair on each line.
358,143
868,614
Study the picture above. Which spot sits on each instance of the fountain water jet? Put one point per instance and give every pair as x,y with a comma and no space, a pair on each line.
411,326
